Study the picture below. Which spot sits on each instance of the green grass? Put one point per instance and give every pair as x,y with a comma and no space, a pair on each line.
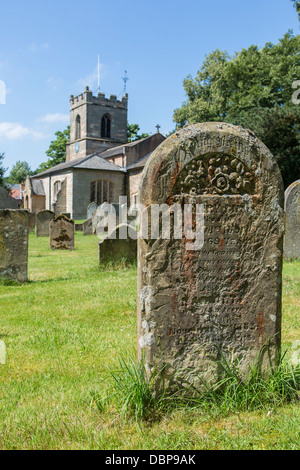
65,332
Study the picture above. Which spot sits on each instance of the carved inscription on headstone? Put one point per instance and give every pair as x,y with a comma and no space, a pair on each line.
292,232
224,298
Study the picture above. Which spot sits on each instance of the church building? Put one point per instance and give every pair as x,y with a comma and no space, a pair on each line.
100,164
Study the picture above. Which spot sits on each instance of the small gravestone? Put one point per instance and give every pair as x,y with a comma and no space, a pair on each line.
62,233
219,295
292,232
78,227
92,207
87,227
115,249
43,219
6,201
14,244
32,219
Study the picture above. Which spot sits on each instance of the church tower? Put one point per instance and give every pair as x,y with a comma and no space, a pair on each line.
97,123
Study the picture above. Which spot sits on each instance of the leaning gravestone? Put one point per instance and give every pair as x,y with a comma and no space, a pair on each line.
92,207
114,249
43,219
14,244
219,295
87,227
62,233
292,210
6,201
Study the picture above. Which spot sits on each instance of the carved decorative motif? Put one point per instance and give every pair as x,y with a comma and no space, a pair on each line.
216,174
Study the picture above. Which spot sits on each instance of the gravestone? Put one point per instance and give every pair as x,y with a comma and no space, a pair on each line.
219,295
78,227
14,244
43,219
32,218
62,233
292,231
87,227
103,216
114,249
6,201
92,207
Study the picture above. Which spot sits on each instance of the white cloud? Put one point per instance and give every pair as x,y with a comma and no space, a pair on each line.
15,131
57,117
34,47
91,80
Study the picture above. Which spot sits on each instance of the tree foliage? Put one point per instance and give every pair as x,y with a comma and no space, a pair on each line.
252,89
133,133
19,172
3,180
56,151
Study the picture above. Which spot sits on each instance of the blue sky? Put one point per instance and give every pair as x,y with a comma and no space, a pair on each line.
49,50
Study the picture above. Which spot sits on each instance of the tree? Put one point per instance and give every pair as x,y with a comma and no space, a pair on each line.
252,89
56,151
132,133
19,172
297,6
3,182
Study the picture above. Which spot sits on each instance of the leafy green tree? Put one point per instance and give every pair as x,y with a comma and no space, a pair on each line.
133,133
3,180
252,89
297,6
19,172
56,151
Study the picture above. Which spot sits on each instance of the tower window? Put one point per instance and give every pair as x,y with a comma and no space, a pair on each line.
106,127
77,127
102,191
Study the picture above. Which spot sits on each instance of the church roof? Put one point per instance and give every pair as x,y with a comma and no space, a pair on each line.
37,187
140,163
90,162
120,149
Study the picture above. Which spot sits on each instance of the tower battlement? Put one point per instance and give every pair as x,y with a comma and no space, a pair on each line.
88,97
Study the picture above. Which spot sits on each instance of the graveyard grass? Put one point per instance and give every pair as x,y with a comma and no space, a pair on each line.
65,331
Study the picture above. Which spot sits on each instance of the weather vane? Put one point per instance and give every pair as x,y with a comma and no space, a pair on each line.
125,80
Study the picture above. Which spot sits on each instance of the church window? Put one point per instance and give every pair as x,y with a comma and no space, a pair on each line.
102,191
106,127
77,127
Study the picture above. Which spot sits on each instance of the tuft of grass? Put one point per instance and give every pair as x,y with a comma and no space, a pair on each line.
134,390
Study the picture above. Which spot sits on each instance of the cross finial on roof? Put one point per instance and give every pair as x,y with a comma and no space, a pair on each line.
157,127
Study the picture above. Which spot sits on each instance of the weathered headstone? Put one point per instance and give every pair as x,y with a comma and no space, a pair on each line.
62,233
222,296
114,249
43,219
87,227
78,227
292,232
32,219
6,201
14,244
92,207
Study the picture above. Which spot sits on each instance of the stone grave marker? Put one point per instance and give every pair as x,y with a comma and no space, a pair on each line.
292,232
43,219
214,290
32,221
92,207
87,227
14,244
6,201
62,233
114,249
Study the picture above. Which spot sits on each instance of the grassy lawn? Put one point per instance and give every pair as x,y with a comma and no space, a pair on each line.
65,329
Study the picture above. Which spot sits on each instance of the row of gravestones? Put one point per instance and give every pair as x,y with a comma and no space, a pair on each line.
224,300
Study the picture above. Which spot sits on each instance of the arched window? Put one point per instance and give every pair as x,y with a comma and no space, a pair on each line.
102,191
106,127
77,127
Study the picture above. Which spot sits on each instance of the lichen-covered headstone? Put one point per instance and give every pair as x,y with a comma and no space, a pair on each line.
114,249
292,231
223,298
62,233
43,219
14,244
